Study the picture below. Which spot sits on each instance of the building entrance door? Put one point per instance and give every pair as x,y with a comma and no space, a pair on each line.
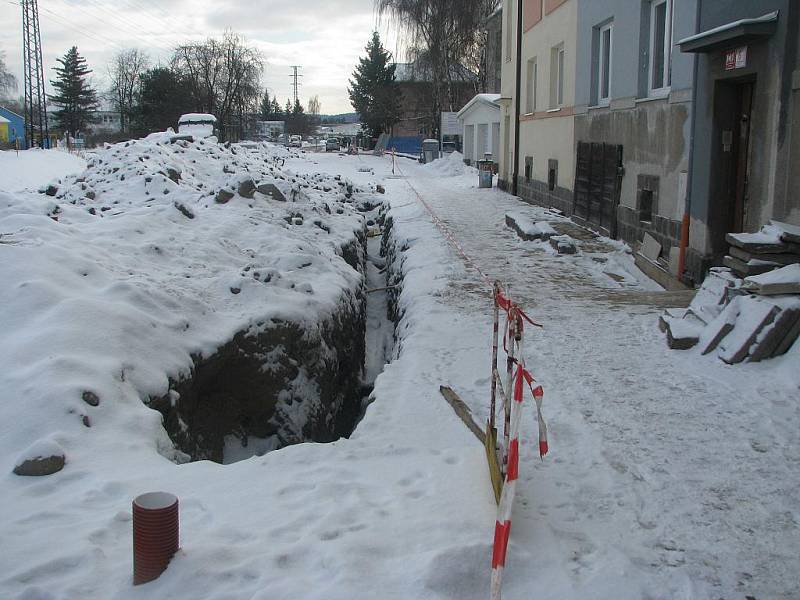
730,160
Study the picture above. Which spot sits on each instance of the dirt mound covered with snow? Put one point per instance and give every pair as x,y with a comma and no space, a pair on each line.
120,281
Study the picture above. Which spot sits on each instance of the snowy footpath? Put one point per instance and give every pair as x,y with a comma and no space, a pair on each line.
671,475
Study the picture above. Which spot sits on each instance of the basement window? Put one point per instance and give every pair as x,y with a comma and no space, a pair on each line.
647,197
552,174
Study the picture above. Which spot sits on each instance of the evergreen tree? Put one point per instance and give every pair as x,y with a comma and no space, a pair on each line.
266,107
277,113
374,93
164,97
76,99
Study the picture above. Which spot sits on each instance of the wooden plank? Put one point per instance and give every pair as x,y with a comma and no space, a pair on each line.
490,444
462,411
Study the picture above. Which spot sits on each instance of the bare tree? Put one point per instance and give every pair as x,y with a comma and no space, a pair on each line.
448,40
8,83
126,70
314,106
224,77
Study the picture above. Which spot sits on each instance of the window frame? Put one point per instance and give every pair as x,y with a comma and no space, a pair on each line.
666,68
604,100
532,84
557,66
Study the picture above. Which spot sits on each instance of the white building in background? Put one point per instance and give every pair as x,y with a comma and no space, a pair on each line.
106,122
480,118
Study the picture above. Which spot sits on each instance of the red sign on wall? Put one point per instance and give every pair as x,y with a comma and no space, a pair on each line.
736,59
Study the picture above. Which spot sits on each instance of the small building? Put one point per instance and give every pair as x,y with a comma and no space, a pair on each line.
104,122
270,130
16,127
480,119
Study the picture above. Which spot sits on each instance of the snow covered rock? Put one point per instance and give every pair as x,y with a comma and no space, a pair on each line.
44,457
527,229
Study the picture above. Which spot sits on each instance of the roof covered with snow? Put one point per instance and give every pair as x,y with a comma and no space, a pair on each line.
197,118
491,100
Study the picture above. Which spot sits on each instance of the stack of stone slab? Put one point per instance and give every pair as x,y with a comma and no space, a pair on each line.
775,246
750,319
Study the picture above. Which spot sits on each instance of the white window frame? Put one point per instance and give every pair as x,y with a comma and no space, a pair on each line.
605,68
557,66
667,48
532,75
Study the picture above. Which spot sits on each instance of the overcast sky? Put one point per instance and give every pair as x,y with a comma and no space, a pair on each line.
325,37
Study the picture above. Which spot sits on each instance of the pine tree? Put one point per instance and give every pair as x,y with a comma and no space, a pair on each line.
374,93
277,113
76,99
266,107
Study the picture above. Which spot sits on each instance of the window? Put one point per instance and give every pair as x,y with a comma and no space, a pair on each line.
532,75
528,168
604,64
552,174
660,45
557,76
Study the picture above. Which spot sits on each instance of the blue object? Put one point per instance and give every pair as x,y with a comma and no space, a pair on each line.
410,144
16,127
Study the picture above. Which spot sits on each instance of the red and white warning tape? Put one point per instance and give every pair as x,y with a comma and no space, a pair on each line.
518,376
512,341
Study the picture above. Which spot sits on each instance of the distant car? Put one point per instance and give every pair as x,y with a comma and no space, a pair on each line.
295,141
332,145
448,147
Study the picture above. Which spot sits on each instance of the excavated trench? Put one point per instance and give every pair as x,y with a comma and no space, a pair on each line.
279,383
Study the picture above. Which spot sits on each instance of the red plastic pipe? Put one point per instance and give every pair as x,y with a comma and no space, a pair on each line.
155,534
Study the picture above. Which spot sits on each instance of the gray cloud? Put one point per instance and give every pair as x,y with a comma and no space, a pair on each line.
325,37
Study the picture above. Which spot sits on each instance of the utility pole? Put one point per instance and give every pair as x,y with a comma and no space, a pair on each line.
36,129
295,77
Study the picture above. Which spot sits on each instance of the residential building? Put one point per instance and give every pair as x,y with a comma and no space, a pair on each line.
105,122
16,126
418,116
480,119
545,165
745,166
633,96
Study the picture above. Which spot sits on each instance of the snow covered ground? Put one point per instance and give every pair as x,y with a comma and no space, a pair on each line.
671,475
33,168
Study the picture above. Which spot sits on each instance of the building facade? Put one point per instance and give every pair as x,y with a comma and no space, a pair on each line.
16,126
546,162
674,118
745,167
633,119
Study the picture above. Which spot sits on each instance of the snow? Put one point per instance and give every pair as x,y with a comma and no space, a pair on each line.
786,275
197,118
30,169
670,475
40,449
451,165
